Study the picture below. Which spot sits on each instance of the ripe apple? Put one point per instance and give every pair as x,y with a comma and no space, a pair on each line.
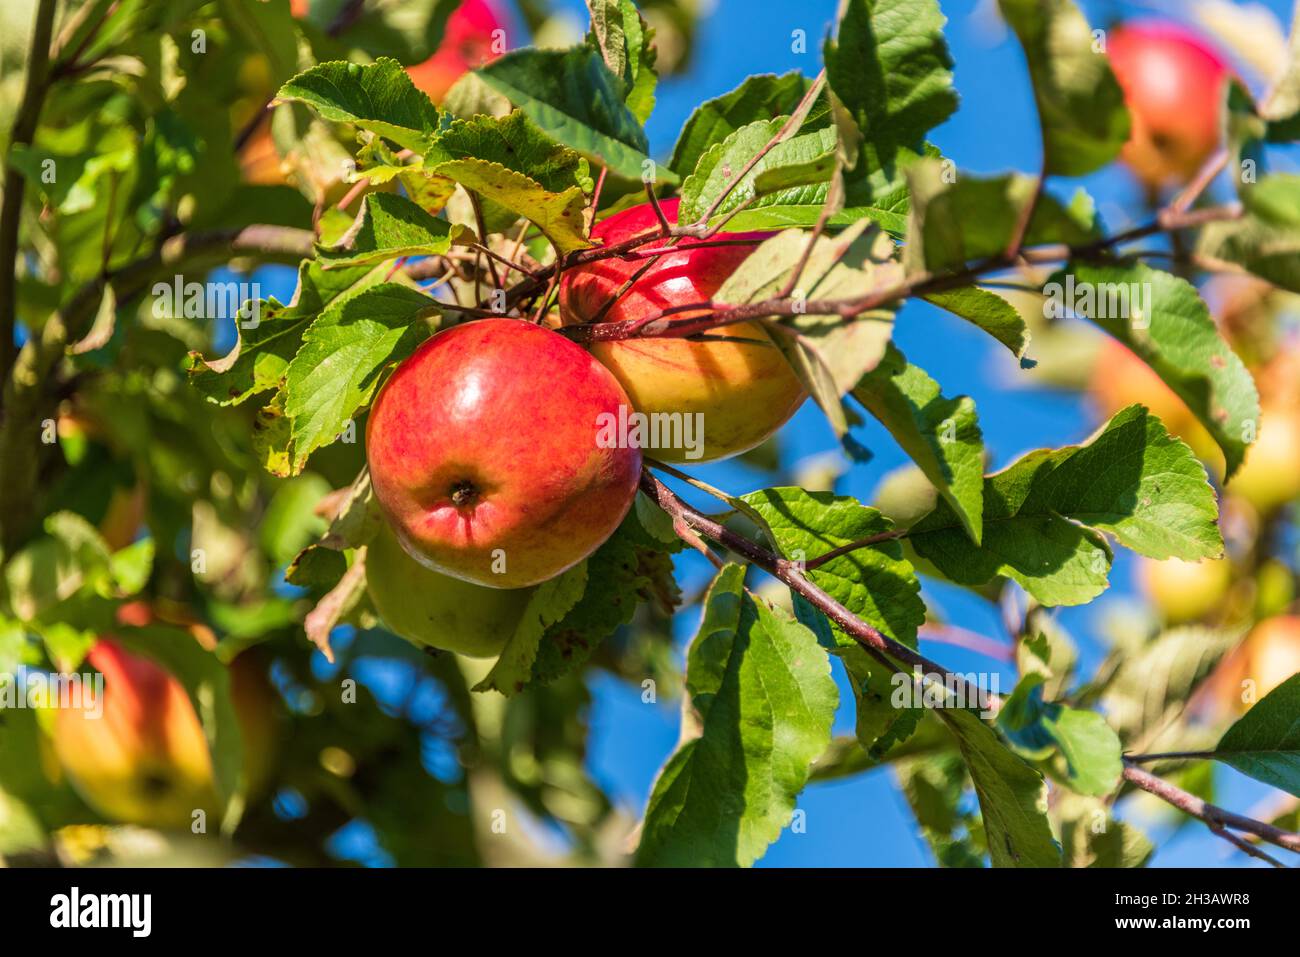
1120,379
741,384
1173,83
466,44
144,760
427,608
1185,591
1270,476
1269,656
487,453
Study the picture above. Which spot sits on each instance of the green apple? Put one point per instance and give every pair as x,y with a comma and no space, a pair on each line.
427,608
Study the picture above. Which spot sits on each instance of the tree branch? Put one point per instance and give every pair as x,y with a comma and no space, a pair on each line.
792,575
27,401
717,315
883,648
24,128
1211,814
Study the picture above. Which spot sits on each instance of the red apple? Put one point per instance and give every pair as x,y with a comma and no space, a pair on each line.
466,44
741,384
488,454
1173,83
145,759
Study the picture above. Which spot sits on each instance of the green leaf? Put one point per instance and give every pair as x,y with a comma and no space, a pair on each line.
934,786
1168,325
510,162
942,436
343,353
828,352
624,41
759,713
550,602
379,97
1088,744
1150,685
1265,741
1044,514
1092,837
1268,250
1012,795
1282,105
890,68
953,223
758,98
797,161
578,102
633,565
264,349
1080,105
290,521
69,557
389,226
991,313
875,583
1275,199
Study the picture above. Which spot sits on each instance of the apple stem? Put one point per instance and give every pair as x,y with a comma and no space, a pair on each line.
464,493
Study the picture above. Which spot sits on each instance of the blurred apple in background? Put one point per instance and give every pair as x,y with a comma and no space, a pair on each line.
1270,476
1120,379
1173,83
467,43
145,760
1269,656
1185,591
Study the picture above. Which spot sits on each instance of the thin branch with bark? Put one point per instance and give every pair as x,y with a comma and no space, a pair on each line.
15,183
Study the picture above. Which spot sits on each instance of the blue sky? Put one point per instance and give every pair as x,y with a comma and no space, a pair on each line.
865,821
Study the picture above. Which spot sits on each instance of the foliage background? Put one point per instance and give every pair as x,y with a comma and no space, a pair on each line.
862,820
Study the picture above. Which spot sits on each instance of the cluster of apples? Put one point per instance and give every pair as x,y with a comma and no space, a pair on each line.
1174,84
485,446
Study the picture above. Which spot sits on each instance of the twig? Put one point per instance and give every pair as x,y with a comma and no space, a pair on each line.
1027,214
24,128
477,206
1209,813
790,127
792,575
970,640
1243,845
834,553
659,213
1170,756
921,284
889,652
26,399
1204,177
